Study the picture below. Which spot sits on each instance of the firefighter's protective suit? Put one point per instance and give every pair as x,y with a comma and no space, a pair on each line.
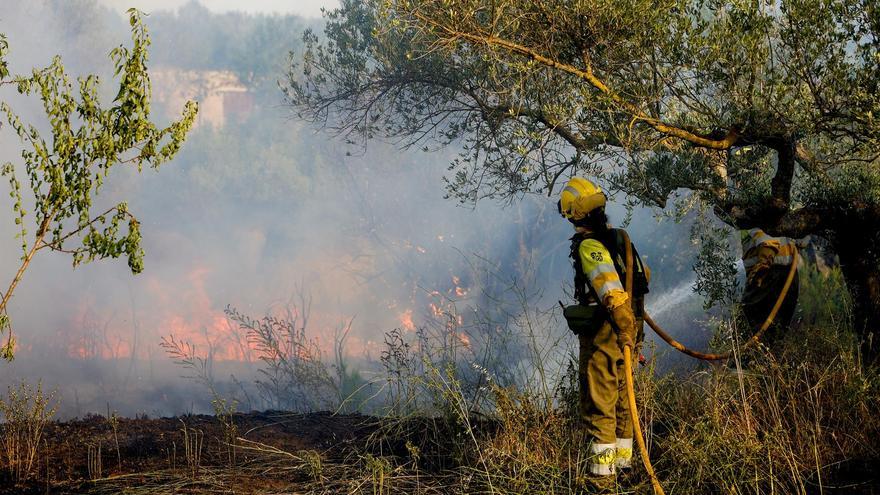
767,261
603,402
599,263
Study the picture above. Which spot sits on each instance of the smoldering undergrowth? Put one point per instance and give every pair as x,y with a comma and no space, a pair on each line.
484,401
450,414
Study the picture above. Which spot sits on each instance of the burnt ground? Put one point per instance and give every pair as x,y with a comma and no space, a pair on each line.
192,454
275,452
281,453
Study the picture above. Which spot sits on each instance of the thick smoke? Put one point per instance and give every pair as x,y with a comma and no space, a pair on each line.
262,213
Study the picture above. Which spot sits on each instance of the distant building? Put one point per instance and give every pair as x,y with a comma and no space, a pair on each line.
221,96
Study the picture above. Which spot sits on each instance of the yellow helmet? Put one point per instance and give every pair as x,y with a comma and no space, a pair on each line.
579,198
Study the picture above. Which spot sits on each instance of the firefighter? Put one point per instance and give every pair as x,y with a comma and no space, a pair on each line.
605,320
767,261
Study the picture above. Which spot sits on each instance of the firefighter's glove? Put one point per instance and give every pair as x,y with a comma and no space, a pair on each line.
626,325
757,274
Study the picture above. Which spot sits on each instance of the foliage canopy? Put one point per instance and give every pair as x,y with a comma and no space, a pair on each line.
765,110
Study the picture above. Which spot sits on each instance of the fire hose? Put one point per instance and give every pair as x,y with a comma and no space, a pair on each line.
627,354
630,389
754,338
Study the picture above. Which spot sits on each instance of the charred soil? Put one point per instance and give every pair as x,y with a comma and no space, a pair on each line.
188,454
268,452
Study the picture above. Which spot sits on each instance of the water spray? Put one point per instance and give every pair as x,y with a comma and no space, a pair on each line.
753,340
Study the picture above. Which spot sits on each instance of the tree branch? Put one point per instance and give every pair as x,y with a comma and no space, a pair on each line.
38,242
57,245
731,137
799,222
580,143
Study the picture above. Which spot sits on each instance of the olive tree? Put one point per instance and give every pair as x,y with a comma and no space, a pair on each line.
761,111
65,159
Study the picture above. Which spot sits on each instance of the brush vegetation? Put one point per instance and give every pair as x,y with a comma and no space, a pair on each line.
803,419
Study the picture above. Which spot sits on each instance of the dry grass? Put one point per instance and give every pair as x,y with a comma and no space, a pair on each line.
26,411
780,425
798,423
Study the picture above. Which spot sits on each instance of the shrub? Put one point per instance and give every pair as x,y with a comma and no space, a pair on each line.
26,411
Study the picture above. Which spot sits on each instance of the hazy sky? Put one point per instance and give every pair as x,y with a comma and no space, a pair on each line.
311,8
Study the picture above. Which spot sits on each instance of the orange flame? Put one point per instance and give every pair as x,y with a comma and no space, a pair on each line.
406,320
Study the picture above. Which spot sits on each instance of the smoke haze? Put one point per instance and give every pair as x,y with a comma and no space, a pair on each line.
259,212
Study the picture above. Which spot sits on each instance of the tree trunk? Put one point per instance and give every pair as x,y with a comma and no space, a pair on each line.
860,263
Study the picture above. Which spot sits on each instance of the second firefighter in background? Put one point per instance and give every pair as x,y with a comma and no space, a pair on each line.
598,253
767,261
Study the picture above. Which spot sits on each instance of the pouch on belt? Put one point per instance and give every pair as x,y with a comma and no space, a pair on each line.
584,318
